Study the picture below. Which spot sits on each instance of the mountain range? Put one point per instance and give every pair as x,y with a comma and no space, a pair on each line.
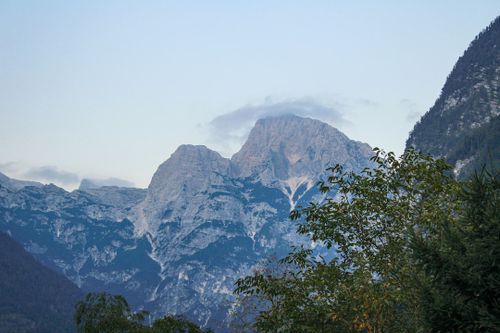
204,220
178,246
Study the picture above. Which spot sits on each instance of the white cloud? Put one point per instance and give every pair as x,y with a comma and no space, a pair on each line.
50,173
99,182
228,132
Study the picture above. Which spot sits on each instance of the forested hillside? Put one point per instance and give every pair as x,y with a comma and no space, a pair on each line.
33,298
463,124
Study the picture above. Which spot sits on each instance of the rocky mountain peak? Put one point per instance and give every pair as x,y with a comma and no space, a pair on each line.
290,153
289,132
190,170
286,152
289,150
188,162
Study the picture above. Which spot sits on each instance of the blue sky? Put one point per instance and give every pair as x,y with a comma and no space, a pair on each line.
110,88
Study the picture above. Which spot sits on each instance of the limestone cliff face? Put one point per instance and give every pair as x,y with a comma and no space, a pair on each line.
289,146
180,181
288,151
189,170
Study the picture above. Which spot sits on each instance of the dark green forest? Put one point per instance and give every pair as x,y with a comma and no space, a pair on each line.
483,144
463,124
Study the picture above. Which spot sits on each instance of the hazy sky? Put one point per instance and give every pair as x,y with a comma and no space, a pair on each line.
110,88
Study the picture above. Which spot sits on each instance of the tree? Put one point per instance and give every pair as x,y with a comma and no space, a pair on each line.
462,263
175,324
105,313
367,221
101,312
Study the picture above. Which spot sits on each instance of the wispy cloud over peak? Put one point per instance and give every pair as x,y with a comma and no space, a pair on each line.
227,132
88,183
52,174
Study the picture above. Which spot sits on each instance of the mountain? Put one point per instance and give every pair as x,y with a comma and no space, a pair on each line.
75,233
33,298
463,125
14,184
204,220
211,219
189,171
288,152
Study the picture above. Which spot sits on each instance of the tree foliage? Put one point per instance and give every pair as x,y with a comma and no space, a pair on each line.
105,313
462,262
102,312
368,220
175,324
